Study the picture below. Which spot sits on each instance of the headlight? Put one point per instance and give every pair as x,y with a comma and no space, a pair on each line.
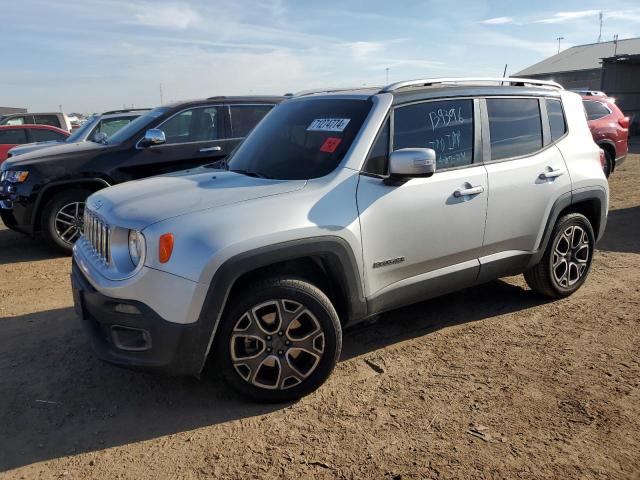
137,247
14,176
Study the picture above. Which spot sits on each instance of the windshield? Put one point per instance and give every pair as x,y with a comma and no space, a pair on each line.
301,139
80,134
138,124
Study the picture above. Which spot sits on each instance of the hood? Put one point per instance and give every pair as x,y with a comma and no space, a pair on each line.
140,203
32,147
53,152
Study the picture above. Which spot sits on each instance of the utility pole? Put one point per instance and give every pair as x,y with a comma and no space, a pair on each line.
559,40
601,17
615,43
60,108
161,102
387,70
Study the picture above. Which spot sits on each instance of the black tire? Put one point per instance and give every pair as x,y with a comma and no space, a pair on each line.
268,296
543,277
608,162
52,228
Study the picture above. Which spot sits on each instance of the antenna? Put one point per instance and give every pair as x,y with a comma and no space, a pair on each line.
601,17
161,102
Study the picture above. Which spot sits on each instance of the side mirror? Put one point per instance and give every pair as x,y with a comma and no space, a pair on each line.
100,137
412,162
153,136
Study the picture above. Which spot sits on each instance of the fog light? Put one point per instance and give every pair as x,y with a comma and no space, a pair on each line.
130,339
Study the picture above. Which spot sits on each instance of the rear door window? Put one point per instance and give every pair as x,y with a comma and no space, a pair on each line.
14,136
245,117
51,120
446,126
515,127
557,123
595,110
43,135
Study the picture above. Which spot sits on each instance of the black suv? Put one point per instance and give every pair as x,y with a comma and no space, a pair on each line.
45,191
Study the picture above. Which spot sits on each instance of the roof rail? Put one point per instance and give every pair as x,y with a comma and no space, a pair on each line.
127,110
428,82
328,90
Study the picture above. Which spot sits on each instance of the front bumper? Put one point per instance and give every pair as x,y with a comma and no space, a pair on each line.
15,210
131,334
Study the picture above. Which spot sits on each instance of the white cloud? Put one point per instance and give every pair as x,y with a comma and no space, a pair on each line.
497,20
562,17
177,17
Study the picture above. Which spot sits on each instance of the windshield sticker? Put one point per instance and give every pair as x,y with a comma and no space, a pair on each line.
328,125
330,144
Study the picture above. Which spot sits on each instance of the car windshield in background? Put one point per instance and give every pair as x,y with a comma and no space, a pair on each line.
136,125
301,139
80,133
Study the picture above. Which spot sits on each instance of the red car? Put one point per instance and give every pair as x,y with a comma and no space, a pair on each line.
12,135
609,128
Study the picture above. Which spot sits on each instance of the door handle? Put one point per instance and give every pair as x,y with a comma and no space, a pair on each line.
463,192
550,174
217,148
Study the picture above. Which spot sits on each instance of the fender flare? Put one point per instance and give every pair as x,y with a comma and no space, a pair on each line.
335,251
597,193
41,194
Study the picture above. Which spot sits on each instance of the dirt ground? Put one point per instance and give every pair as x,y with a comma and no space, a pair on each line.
490,382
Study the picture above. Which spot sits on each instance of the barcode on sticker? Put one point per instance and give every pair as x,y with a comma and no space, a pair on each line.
328,125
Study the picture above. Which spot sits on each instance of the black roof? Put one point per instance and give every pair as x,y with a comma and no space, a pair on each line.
414,94
270,100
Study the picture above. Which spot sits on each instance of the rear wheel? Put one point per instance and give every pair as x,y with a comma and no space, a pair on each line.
608,163
63,219
279,341
567,259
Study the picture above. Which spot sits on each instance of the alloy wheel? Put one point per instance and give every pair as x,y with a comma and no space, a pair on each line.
69,222
571,256
277,344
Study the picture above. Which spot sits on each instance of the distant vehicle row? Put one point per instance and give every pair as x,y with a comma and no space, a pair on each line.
44,192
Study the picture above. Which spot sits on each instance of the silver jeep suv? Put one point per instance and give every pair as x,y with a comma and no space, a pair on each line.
338,206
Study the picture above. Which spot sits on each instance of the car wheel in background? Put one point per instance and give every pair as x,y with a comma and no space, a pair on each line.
63,219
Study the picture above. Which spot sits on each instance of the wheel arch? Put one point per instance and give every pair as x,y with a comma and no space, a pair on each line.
609,147
589,201
328,262
51,189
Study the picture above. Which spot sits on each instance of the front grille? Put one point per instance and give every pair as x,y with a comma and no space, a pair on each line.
97,232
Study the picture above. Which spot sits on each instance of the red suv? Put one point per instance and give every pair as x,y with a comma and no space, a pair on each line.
12,135
609,128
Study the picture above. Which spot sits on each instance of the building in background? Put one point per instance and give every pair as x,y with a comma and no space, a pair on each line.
8,110
613,67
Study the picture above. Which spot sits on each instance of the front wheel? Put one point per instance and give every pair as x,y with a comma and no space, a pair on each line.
63,219
567,259
278,341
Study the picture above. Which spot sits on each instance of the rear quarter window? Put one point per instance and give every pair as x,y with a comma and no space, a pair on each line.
557,122
595,110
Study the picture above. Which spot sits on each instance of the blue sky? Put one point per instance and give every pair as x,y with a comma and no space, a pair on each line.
92,55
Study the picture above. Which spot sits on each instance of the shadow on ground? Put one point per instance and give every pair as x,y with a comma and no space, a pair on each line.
57,399
623,231
16,247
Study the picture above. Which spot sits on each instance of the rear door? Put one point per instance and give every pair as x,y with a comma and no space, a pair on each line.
527,172
194,137
421,237
243,119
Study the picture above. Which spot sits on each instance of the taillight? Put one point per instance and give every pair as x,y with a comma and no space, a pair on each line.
603,158
624,122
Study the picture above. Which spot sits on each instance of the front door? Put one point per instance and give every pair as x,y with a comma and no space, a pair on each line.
426,232
194,137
